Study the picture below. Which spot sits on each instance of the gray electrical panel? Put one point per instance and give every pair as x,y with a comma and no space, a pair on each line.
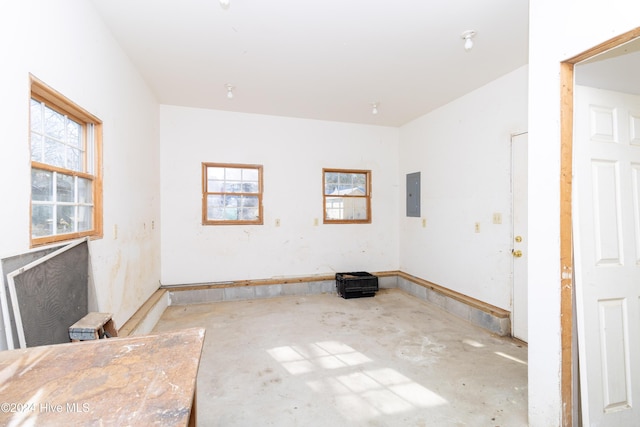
413,194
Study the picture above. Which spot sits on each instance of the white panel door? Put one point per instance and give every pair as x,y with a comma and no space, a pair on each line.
607,254
519,195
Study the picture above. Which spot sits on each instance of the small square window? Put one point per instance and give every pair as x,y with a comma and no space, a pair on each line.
347,196
231,194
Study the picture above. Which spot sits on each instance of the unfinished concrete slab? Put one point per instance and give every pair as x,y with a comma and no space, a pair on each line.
319,360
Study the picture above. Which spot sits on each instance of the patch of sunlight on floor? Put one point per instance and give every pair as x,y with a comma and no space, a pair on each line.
473,343
360,394
506,356
325,355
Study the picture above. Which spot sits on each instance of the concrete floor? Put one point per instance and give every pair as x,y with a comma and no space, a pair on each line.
320,360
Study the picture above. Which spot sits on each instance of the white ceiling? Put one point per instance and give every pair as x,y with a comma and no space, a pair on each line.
325,60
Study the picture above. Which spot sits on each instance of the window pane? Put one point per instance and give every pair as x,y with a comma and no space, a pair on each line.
214,186
54,123
221,207
250,187
331,177
41,185
344,180
346,208
66,215
248,201
250,175
36,147
344,184
249,209
85,218
331,183
234,174
64,188
231,205
350,181
74,134
249,214
215,173
85,190
41,220
215,207
232,180
232,187
359,180
230,213
36,116
53,153
334,207
355,208
74,159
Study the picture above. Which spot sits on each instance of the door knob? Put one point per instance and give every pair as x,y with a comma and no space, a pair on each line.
517,253
518,239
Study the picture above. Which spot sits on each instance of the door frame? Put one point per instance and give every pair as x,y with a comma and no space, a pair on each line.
568,358
514,312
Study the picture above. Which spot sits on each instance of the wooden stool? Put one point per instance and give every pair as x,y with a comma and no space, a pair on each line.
93,326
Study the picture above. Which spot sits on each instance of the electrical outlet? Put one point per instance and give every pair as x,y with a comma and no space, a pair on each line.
277,222
424,222
497,218
477,227
316,221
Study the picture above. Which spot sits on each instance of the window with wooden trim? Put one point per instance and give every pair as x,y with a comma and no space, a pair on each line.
346,196
66,173
231,194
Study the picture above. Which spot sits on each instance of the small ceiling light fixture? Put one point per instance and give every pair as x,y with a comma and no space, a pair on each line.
225,4
229,90
468,39
374,108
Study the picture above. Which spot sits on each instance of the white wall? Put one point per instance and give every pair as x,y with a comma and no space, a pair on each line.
64,44
293,153
558,30
463,153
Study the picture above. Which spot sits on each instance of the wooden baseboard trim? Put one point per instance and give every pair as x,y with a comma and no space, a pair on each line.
475,303
132,324
497,325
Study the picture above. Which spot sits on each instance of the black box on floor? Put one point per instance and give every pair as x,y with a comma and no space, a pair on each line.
357,284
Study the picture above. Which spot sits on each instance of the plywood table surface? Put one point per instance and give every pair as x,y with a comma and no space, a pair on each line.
135,381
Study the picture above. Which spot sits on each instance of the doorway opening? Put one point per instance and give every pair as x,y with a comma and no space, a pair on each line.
569,381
